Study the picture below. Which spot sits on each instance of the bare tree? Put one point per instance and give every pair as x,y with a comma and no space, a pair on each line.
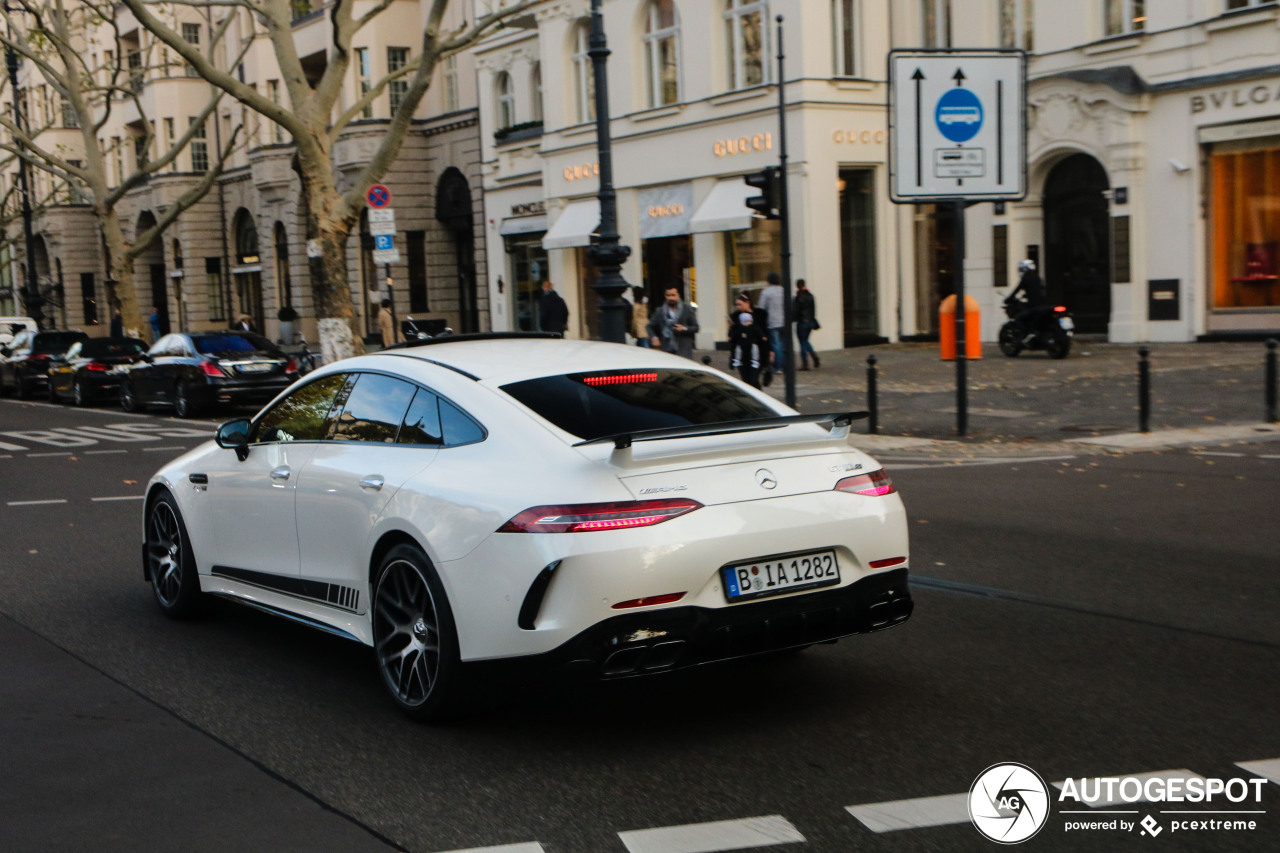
311,117
54,41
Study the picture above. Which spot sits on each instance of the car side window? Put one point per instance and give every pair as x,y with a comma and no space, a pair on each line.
303,415
374,410
457,426
422,421
161,346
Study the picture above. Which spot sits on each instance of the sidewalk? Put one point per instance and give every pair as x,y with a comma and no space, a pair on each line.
1201,393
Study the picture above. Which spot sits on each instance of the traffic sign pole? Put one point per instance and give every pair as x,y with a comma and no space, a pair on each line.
788,346
962,364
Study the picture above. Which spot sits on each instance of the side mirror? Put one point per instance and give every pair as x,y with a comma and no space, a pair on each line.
234,435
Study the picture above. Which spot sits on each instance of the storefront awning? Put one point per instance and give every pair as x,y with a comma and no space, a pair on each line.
575,226
725,209
522,225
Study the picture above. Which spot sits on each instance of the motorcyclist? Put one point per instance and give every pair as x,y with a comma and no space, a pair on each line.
1029,283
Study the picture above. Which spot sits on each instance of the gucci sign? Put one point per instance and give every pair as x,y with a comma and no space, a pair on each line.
743,144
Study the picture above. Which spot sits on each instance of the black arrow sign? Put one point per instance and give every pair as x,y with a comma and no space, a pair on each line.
958,77
918,77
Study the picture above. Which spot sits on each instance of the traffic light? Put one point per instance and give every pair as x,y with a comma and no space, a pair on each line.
769,203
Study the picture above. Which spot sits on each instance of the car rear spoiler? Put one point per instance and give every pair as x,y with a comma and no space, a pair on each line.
837,422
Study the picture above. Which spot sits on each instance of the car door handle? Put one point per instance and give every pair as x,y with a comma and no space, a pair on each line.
373,481
281,473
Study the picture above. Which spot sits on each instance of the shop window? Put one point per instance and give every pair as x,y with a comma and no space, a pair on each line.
1245,224
364,78
752,254
1000,256
397,59
1124,16
584,87
506,101
213,288
662,53
746,25
416,241
537,92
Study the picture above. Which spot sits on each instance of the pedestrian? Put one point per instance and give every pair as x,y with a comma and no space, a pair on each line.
244,324
553,314
806,314
640,317
773,302
748,346
155,324
117,320
1029,283
672,326
387,325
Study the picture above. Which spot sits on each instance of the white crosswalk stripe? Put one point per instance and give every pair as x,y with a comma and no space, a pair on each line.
528,847
711,837
1268,769
913,814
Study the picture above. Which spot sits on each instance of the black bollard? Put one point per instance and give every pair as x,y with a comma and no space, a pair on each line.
1271,381
1144,390
873,420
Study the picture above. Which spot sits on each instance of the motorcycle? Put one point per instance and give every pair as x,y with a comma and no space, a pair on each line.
429,329
1048,328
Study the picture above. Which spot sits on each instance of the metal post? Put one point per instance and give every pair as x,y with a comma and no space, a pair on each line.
1144,390
873,405
784,220
962,378
391,294
608,254
1271,381
31,298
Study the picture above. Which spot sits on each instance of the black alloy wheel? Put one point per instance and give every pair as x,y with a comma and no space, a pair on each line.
1059,344
128,400
183,406
414,637
79,394
1011,335
171,564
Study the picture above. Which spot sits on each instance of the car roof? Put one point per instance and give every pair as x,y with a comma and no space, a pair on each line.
503,360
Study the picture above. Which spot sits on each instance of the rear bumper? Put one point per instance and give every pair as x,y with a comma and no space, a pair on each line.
241,393
679,637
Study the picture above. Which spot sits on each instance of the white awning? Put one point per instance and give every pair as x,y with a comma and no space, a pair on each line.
522,225
575,226
725,209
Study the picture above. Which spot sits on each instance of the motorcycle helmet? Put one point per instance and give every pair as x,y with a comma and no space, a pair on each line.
1026,265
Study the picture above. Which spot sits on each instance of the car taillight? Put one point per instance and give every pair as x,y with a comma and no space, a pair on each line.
211,369
884,564
96,366
37,356
1060,309
875,483
292,366
651,600
583,518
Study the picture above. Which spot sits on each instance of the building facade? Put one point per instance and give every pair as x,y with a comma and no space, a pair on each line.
1152,203
242,250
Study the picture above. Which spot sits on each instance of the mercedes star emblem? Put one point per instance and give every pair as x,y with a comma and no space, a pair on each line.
766,479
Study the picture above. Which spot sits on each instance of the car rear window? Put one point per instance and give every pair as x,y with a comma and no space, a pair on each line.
106,347
56,341
220,344
593,405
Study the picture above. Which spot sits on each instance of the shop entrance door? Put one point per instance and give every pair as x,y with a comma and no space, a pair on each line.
1077,263
160,297
667,262
935,227
858,257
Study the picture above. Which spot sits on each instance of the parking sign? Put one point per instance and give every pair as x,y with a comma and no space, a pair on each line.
957,125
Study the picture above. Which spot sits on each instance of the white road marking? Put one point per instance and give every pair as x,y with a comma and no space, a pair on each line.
120,498
37,503
913,814
529,847
1268,769
891,465
1269,456
1216,453
161,449
1142,778
711,837
101,452
42,455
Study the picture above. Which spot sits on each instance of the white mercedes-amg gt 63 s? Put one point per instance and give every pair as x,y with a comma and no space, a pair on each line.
480,498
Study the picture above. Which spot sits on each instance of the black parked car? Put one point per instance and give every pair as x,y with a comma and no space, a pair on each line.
194,371
92,370
24,361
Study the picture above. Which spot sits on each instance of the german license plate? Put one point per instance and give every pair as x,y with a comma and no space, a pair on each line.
1067,323
257,367
778,575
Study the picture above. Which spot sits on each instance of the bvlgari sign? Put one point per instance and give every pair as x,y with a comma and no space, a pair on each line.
1260,94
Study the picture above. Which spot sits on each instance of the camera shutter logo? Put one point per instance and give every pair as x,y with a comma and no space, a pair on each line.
1009,803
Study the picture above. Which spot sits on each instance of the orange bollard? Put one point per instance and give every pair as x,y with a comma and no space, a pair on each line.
947,329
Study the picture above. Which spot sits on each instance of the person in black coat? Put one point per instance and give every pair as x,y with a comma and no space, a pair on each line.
552,312
748,341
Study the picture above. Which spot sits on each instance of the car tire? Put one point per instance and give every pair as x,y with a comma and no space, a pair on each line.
170,562
1059,345
80,394
21,387
183,406
1011,335
414,638
53,393
128,399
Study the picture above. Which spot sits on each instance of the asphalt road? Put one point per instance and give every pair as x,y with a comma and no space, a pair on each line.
1087,616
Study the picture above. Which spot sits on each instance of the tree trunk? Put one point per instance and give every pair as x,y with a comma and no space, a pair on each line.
120,268
335,312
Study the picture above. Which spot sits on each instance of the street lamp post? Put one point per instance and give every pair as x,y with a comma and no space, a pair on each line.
608,254
31,297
